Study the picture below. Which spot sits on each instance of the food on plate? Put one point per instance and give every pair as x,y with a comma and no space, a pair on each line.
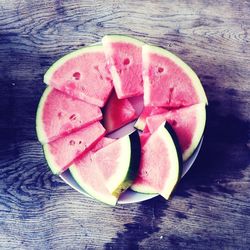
94,96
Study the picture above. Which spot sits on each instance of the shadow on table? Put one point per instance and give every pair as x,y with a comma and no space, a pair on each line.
145,224
224,157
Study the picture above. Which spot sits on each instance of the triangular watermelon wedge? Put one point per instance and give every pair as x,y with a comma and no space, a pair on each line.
124,58
117,113
63,151
119,162
59,114
89,177
160,164
82,74
168,81
188,124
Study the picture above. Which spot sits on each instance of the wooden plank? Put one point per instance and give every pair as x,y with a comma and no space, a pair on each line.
210,208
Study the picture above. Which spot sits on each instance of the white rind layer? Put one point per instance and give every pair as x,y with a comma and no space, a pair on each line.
39,116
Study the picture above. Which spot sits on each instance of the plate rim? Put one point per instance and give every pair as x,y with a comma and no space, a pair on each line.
141,196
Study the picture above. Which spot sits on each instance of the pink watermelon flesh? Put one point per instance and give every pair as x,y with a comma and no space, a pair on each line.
84,76
167,84
144,187
105,158
125,62
159,166
88,176
144,137
63,151
186,122
137,103
118,112
62,114
118,162
147,111
105,141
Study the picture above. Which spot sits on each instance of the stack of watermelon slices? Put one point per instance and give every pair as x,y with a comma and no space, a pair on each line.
91,94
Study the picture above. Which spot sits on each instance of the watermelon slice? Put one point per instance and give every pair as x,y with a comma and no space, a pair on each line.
63,151
160,164
124,58
68,117
89,177
82,74
188,124
59,114
117,113
147,111
168,81
119,162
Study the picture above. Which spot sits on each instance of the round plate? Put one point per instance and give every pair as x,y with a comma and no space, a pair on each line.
130,196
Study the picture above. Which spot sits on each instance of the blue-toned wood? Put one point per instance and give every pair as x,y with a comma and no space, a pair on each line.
210,208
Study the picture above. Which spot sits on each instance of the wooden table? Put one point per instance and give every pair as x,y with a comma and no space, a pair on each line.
210,208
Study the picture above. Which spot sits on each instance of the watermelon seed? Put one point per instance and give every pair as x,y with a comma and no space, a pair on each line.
80,142
77,75
126,61
71,142
160,69
171,90
59,114
174,123
98,70
72,117
108,79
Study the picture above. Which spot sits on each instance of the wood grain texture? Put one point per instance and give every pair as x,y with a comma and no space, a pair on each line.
210,208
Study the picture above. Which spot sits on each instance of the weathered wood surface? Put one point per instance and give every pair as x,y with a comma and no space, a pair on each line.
210,209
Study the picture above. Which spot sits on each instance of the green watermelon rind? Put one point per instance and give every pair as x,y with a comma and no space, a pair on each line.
112,200
123,178
124,39
146,49
50,160
201,123
62,60
144,189
139,124
175,154
41,135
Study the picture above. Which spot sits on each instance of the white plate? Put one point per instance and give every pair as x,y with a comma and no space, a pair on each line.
130,196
